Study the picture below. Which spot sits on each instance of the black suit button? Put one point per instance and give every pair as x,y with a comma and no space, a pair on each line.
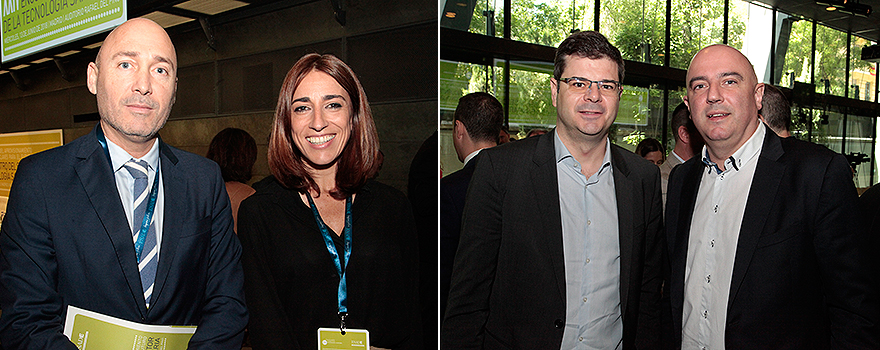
558,323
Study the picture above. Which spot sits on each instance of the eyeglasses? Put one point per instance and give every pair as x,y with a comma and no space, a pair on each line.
581,85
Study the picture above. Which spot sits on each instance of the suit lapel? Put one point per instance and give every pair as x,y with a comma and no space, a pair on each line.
765,184
692,170
174,185
623,188
96,175
546,194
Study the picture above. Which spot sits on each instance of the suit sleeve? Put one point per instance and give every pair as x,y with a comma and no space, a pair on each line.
450,226
840,244
475,261
224,314
32,307
648,333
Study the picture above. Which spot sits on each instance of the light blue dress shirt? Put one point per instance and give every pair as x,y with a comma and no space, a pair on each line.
125,184
591,247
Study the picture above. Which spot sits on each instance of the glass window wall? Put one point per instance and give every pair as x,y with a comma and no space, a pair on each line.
859,144
797,54
749,26
695,24
636,27
476,16
862,74
830,61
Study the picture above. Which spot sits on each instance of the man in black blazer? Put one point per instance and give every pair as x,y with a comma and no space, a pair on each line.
478,118
514,283
69,238
765,247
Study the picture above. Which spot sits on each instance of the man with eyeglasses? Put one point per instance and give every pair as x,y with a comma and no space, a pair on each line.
560,242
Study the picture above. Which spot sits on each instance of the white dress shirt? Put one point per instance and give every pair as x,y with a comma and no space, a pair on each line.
714,233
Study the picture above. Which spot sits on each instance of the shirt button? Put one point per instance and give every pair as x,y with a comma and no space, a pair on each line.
716,208
712,243
705,313
708,278
588,261
585,299
589,222
581,338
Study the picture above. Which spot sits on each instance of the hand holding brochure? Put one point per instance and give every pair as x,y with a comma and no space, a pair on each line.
91,330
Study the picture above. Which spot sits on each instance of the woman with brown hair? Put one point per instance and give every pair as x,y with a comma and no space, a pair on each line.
323,245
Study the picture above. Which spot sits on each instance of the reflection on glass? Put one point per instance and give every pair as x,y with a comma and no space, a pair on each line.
862,74
549,22
830,61
859,148
636,27
530,104
752,39
480,17
796,65
827,129
696,24
640,116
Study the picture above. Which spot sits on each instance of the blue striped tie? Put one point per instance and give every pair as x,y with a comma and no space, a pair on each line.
148,260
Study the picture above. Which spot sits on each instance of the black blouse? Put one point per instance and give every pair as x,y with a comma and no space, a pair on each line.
291,281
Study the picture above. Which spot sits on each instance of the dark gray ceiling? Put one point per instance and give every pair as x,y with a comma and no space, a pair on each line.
868,28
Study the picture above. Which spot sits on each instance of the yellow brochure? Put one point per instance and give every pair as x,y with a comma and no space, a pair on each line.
91,330
332,339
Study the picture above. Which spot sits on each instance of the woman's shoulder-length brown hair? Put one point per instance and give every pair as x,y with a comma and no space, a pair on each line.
359,160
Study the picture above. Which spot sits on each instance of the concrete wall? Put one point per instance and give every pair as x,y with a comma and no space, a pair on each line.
391,45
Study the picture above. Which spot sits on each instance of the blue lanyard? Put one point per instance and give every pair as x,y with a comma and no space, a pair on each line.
151,205
342,292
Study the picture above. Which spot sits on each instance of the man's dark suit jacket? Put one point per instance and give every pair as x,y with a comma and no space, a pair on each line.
453,189
65,240
508,281
799,277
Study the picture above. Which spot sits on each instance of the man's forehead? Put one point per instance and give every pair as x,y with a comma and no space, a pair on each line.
576,58
139,38
720,61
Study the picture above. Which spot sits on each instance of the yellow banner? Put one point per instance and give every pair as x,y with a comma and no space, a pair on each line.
14,147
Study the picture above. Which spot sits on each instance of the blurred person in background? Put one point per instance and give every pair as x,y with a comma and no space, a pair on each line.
652,150
235,151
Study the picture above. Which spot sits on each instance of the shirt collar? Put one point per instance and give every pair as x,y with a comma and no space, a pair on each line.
118,156
680,159
471,156
562,152
742,156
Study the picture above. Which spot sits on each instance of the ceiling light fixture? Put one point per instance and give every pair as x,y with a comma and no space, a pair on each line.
850,7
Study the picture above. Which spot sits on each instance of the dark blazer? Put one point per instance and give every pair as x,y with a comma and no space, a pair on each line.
799,277
65,240
453,188
508,280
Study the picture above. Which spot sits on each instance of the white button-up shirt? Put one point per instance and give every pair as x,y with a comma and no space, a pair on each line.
714,233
